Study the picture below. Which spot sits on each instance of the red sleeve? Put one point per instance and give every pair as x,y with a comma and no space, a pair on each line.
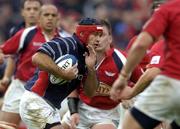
157,55
157,24
11,46
41,84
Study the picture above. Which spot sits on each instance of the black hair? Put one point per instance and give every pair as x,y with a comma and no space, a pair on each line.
107,24
89,21
23,2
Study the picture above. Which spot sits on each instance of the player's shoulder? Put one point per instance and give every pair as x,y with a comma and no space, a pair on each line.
119,51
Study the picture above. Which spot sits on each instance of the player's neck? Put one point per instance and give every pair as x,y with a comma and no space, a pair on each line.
100,57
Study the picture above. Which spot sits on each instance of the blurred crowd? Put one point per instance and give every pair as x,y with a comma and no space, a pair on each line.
126,16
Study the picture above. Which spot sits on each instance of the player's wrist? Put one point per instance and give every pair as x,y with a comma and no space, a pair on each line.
73,104
124,74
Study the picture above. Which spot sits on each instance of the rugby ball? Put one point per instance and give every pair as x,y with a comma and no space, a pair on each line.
64,62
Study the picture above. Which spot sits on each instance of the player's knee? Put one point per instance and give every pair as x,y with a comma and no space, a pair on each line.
6,125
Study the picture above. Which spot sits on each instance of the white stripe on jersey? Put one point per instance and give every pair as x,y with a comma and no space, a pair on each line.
23,37
121,56
66,43
59,47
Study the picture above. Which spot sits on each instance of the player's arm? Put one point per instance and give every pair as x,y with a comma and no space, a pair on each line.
137,52
9,70
91,82
73,101
12,45
46,63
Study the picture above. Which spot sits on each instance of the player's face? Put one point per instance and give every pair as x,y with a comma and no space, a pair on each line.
94,38
49,18
105,41
30,12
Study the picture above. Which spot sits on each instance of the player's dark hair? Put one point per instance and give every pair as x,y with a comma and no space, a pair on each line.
89,21
156,4
107,24
23,2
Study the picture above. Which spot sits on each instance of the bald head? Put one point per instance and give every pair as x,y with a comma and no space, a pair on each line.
48,17
47,7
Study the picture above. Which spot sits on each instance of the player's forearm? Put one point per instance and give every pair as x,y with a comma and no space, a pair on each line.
44,62
91,83
9,68
145,80
137,52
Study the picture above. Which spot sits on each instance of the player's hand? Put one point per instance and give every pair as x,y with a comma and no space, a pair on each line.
90,58
117,88
74,120
70,73
126,93
4,83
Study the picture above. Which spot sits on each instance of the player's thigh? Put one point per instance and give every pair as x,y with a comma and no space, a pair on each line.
57,127
10,117
129,122
104,126
65,125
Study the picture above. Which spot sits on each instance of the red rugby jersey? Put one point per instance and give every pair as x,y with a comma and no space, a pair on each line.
157,55
107,73
165,21
25,69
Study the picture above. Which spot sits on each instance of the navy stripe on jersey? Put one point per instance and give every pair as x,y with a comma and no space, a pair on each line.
58,47
26,37
119,59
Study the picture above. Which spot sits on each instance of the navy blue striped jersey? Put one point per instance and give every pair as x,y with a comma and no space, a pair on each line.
55,93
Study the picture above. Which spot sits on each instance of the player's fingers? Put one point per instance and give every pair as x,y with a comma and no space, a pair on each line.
91,49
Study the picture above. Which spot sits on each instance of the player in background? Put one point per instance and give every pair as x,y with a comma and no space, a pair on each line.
153,69
99,111
42,96
19,44
30,13
159,101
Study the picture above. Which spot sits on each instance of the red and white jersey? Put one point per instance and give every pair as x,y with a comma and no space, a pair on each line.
166,21
157,55
15,45
107,72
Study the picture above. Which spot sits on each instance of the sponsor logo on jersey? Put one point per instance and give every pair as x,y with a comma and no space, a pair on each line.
110,74
103,90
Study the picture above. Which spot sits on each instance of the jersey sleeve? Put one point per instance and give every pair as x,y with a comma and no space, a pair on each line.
11,46
158,23
54,48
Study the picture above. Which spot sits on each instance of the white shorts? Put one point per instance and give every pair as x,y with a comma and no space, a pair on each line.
13,95
161,100
36,112
90,116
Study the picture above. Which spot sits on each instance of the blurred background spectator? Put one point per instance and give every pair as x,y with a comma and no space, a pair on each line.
126,16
